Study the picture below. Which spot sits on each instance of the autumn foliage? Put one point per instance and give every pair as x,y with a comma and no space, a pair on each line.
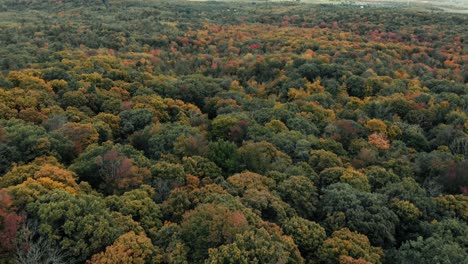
222,132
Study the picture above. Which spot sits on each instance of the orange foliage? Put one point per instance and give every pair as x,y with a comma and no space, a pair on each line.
379,140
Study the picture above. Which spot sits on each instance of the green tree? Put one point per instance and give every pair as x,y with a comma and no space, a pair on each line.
81,224
301,193
262,156
165,177
447,244
363,212
226,155
201,167
134,120
322,159
139,205
308,235
349,175
380,177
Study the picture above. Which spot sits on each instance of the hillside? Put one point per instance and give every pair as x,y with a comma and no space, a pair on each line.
230,132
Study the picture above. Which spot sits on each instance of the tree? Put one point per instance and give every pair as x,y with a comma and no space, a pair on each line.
44,174
119,173
112,168
350,176
33,248
308,235
322,159
201,167
163,137
267,205
241,182
344,242
128,248
19,174
343,131
134,120
363,212
209,226
226,155
301,193
431,249
80,224
28,80
445,245
376,126
139,205
22,142
263,156
380,177
10,223
221,127
256,246
190,145
165,177
457,205
408,189
356,87
82,135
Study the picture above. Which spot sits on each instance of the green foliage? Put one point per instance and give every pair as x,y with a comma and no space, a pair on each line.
262,157
446,245
322,159
166,176
350,176
135,119
256,247
201,167
363,212
164,137
207,132
23,142
225,155
379,177
308,235
139,205
301,194
82,225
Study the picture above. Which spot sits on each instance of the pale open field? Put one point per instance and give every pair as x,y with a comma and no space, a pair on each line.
454,6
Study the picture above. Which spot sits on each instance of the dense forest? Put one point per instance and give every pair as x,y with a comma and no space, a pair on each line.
205,132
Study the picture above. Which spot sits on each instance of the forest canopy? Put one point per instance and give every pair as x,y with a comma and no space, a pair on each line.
208,132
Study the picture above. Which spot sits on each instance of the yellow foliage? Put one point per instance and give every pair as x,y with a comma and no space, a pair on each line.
376,125
235,86
276,126
314,87
57,174
29,81
294,94
405,209
455,203
394,132
308,54
128,248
